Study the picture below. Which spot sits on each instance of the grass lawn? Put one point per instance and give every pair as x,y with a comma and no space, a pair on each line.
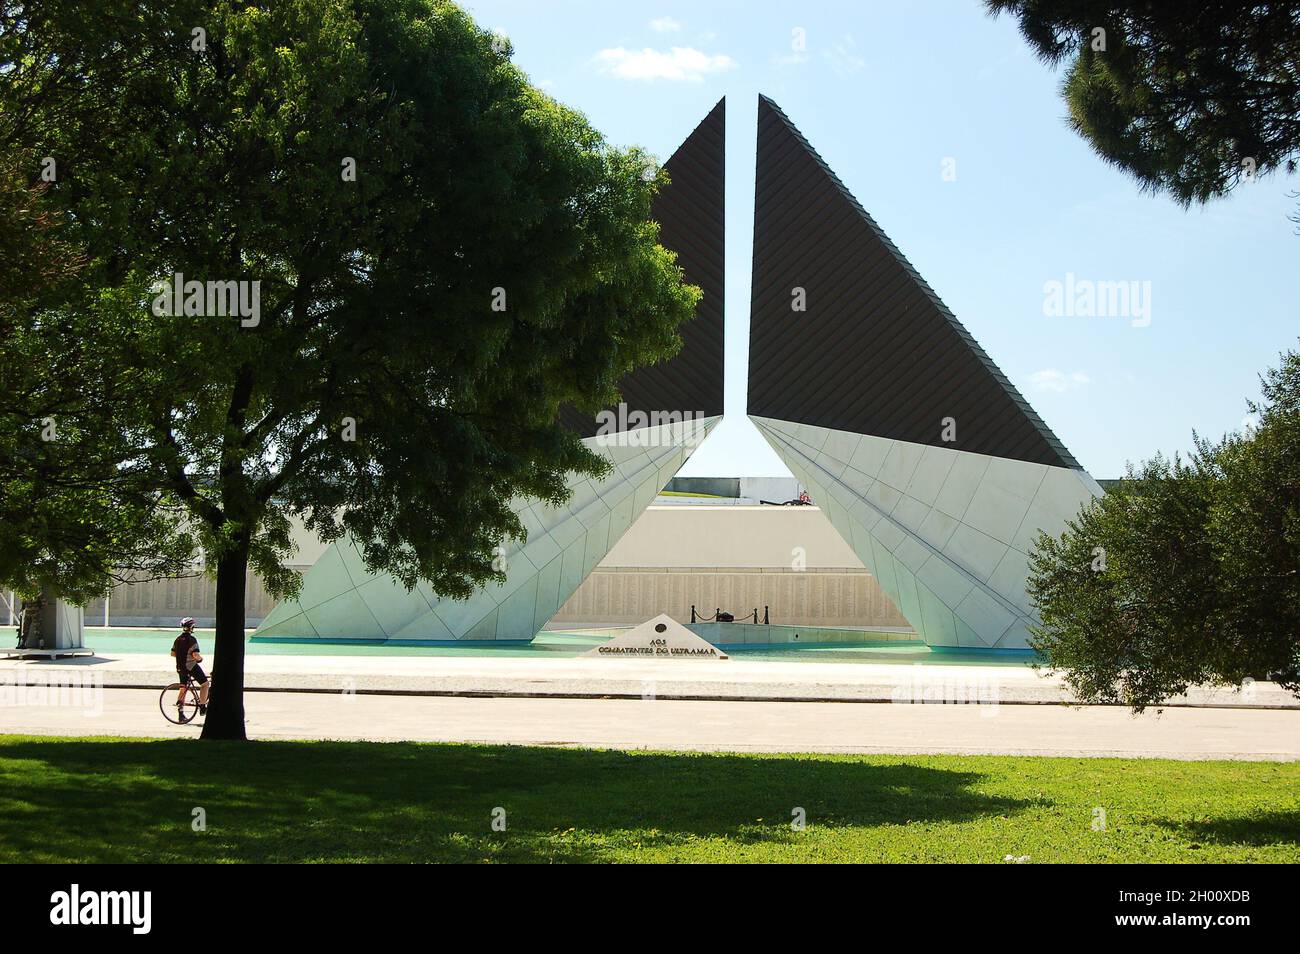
132,800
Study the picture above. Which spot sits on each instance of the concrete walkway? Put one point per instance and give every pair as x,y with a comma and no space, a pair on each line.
603,678
706,705
1180,733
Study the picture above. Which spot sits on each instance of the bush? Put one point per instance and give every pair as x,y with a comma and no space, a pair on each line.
1187,573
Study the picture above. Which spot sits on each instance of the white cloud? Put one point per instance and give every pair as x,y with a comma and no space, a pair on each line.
1050,379
665,25
681,64
844,62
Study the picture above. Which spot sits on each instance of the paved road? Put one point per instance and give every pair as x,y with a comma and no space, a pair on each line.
629,678
1180,733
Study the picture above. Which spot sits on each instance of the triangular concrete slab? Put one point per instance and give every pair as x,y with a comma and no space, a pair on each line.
659,638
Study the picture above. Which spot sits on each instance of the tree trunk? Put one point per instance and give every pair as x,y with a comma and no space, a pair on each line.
225,719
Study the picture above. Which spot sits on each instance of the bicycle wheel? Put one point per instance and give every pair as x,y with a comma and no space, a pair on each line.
179,713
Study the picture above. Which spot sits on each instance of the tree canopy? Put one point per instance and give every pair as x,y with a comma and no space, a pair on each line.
1189,98
1186,573
340,261
71,520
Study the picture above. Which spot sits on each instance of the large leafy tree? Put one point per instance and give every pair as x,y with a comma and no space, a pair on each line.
444,255
1254,523
72,519
1188,572
1189,98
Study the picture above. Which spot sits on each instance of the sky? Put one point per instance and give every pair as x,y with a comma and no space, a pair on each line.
952,135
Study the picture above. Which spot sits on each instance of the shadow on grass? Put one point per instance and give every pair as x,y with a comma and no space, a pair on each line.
338,801
1258,830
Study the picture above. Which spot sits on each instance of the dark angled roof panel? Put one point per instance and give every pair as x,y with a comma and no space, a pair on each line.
876,352
691,215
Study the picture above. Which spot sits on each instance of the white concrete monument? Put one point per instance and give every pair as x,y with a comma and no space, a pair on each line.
659,638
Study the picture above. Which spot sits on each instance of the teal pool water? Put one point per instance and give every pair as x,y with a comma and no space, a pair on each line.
120,640
116,640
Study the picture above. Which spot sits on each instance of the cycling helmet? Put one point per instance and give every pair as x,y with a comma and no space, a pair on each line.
187,621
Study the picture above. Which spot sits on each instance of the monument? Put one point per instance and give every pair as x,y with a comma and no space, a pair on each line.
926,460
921,453
667,410
659,638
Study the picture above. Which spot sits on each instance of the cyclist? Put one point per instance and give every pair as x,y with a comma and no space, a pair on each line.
188,657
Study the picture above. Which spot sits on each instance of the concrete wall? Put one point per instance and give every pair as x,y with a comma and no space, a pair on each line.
739,558
166,602
747,634
745,537
814,597
715,486
789,559
772,489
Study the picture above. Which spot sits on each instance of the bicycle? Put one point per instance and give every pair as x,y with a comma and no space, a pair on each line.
177,710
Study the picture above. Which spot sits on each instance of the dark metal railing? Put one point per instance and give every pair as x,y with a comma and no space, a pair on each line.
752,618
